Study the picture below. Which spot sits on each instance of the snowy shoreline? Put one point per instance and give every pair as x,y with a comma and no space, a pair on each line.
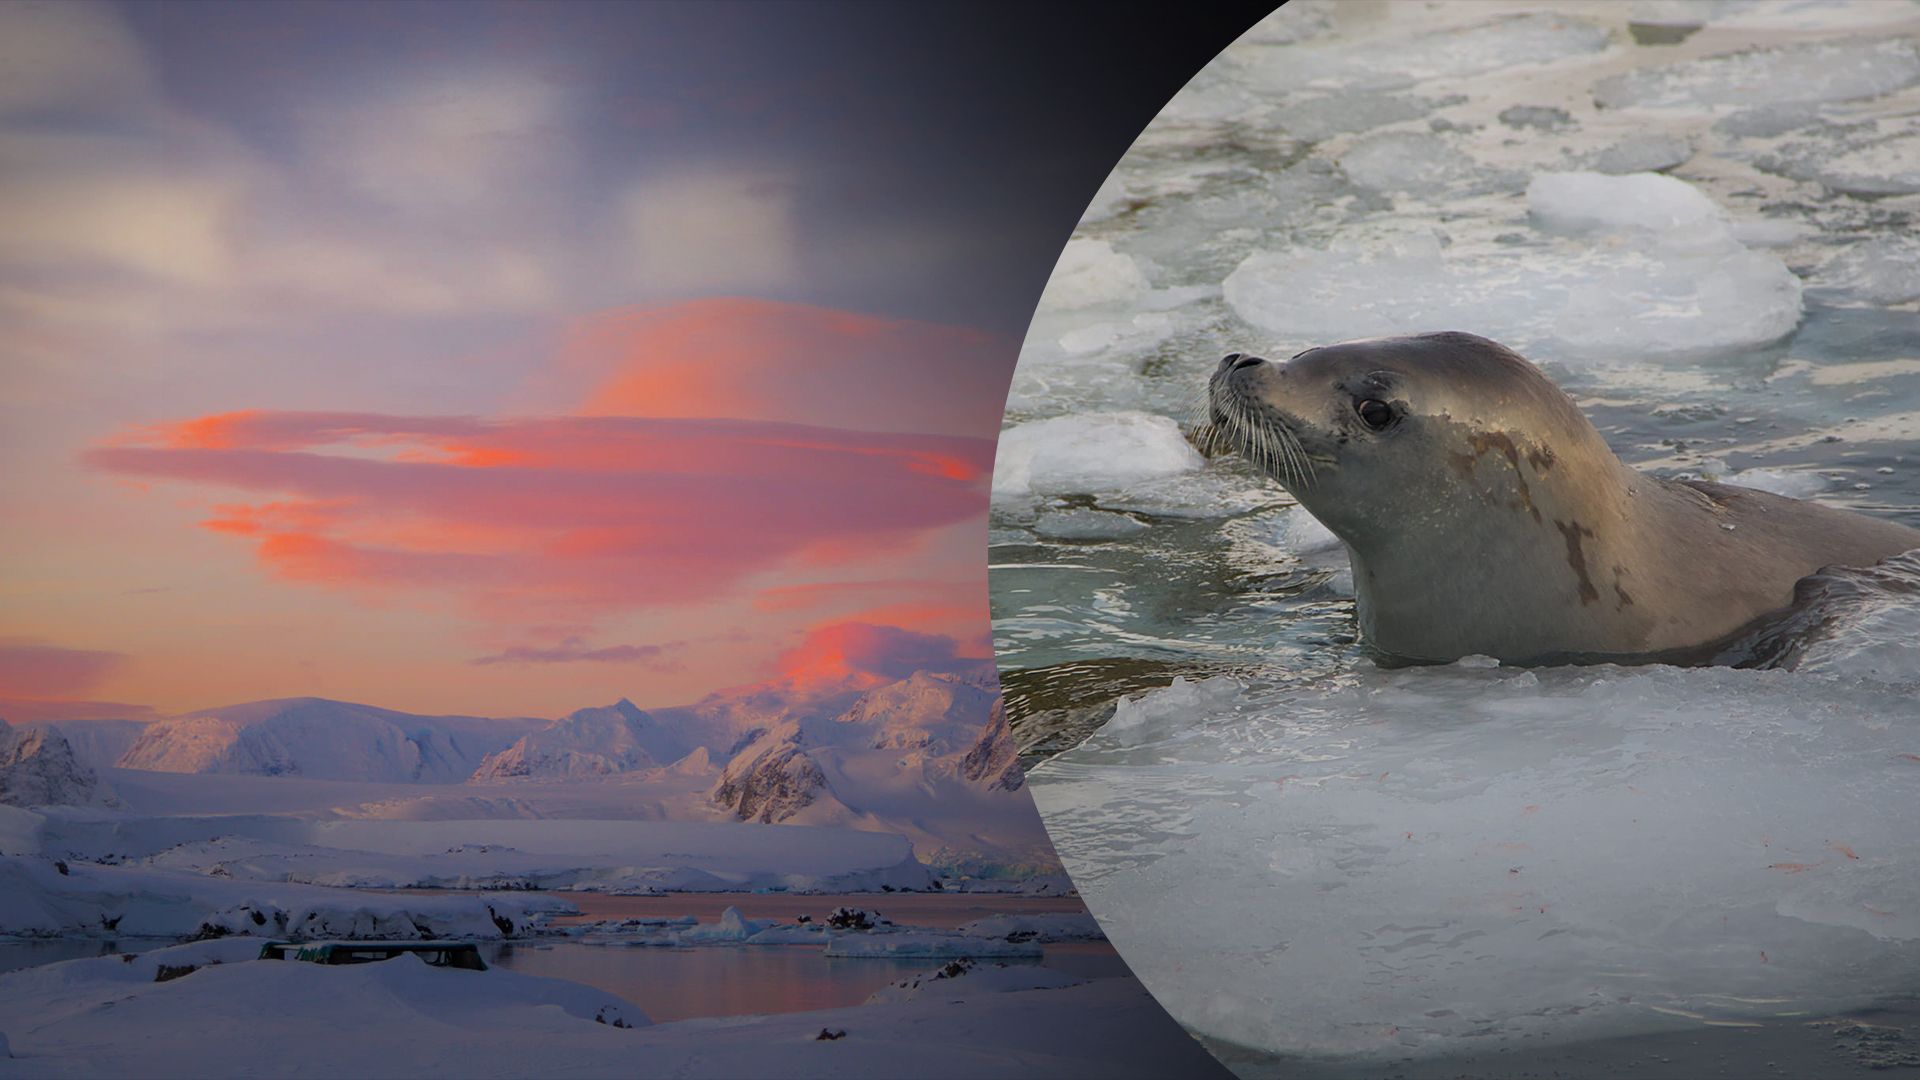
207,1009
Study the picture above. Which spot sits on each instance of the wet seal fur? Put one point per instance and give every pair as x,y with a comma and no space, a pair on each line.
1484,514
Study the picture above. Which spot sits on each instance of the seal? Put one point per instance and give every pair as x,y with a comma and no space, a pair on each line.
1484,514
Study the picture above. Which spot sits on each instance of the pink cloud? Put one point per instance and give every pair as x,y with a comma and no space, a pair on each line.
777,361
866,652
574,650
31,669
557,517
36,711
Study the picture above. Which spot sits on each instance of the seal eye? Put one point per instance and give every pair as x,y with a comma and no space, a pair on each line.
1374,413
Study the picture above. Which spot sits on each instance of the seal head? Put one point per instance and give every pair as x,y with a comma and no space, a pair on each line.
1483,513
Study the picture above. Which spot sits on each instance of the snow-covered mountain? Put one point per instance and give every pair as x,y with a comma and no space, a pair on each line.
587,743
921,755
323,740
928,756
99,744
38,768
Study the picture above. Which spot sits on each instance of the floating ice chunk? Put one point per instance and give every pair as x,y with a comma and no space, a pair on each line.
964,978
1377,63
1793,483
1867,161
1086,525
1544,117
731,929
1822,15
1316,118
1793,74
929,943
1045,926
1462,855
1652,152
1411,162
1091,273
1687,291
1771,232
1141,331
1213,493
1090,452
1884,270
1584,202
789,934
1768,121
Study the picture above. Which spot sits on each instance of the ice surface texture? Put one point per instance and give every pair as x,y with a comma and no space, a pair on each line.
1314,856
1431,857
1654,272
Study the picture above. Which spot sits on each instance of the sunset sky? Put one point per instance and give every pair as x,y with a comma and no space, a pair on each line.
508,359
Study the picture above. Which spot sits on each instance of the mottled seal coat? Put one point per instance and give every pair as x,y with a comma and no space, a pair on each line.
1484,514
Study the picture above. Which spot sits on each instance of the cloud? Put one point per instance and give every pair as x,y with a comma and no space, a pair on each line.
38,711
866,652
449,141
557,518
31,669
780,361
112,203
573,650
712,231
63,56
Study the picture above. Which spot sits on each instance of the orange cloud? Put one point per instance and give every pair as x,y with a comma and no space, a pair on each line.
868,654
562,517
778,361
34,669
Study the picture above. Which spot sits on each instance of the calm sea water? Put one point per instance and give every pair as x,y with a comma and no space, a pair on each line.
716,980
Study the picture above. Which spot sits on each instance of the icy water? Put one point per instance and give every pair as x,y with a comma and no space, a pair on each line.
675,984
940,910
1334,867
717,980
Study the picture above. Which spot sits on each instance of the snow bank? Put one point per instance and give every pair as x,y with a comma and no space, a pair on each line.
221,1003
657,856
1470,852
38,899
1088,453
399,1017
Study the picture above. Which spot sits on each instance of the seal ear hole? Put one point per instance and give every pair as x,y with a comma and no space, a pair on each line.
1374,413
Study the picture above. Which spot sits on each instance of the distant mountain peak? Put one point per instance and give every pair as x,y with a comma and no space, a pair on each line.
38,768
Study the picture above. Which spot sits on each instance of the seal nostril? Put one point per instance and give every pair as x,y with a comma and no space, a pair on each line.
1229,360
1240,360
